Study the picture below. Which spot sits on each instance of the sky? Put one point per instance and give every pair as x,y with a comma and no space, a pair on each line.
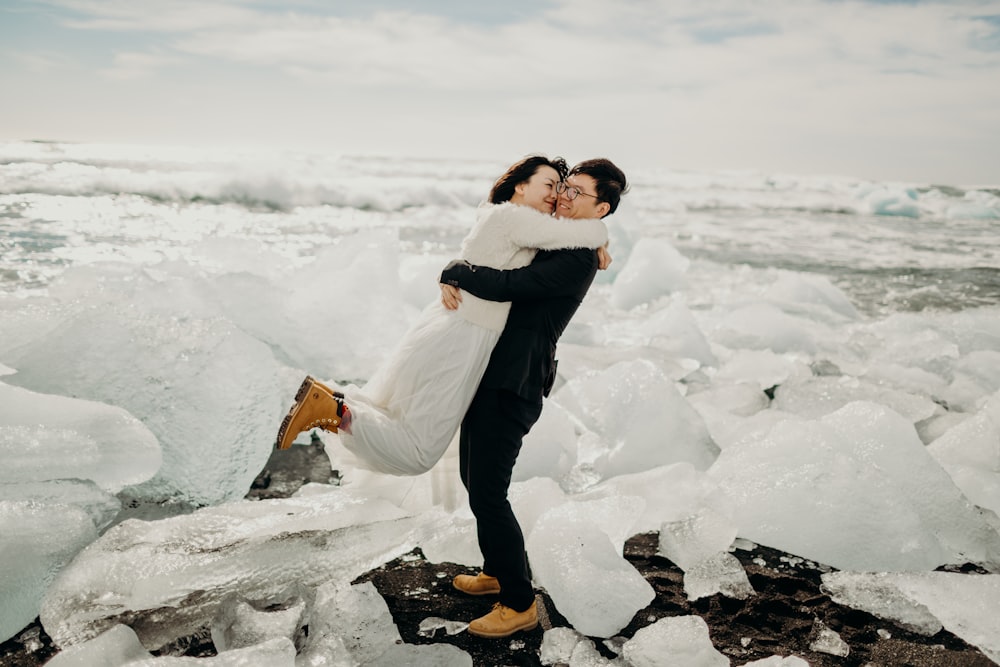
887,90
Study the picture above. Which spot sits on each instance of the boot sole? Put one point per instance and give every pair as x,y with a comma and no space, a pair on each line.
477,593
286,422
501,635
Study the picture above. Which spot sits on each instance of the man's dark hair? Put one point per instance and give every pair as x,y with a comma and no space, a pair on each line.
521,172
611,183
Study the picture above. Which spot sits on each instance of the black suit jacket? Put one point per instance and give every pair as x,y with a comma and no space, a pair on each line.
544,295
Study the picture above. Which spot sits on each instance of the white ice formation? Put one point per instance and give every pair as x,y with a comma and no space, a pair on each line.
924,602
855,489
673,640
168,578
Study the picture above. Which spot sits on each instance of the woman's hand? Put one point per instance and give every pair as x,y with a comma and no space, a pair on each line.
450,296
603,257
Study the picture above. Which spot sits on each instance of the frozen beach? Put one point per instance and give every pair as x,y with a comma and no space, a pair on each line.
810,363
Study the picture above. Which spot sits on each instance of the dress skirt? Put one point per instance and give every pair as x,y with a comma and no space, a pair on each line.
405,417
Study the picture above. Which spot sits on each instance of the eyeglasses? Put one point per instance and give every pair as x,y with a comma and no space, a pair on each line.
571,191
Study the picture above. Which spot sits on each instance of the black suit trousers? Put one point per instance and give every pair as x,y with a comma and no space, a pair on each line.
489,444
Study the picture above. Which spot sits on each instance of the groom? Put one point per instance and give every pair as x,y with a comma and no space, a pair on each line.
521,370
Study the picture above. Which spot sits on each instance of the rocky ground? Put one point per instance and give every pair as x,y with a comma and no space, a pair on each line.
780,619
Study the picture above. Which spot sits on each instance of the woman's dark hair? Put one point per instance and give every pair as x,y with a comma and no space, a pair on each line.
611,183
521,172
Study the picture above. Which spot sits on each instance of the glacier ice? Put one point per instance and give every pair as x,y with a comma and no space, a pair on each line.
672,493
970,452
583,571
967,605
719,573
855,489
778,661
641,418
278,652
818,396
827,640
115,647
356,614
558,644
38,540
45,437
214,424
694,538
240,623
168,578
100,506
673,640
654,268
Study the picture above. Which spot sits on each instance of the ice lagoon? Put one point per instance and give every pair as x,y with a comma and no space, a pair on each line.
809,362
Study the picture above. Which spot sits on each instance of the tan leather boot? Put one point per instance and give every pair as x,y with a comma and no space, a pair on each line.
504,621
314,408
335,394
481,584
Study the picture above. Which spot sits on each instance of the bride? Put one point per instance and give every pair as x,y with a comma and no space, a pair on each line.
403,419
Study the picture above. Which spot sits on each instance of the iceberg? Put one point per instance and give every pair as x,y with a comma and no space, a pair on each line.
967,605
641,418
169,578
581,567
673,640
47,437
856,490
38,540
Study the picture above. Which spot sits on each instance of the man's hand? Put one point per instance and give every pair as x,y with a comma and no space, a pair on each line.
603,258
450,296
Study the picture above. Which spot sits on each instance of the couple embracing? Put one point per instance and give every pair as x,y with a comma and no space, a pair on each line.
482,359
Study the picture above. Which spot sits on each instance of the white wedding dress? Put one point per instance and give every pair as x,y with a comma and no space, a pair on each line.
405,417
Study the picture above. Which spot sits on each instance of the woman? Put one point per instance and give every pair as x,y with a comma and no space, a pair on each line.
403,419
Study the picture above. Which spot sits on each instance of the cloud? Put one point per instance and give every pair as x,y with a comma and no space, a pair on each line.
805,84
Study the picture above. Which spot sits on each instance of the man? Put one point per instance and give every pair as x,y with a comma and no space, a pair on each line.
521,370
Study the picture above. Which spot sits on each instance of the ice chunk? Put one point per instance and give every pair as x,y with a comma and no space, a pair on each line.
549,449
891,200
778,661
762,326
719,573
970,452
438,655
114,647
826,640
240,623
589,581
855,489
672,493
278,652
654,268
673,640
879,594
358,615
430,625
742,399
813,295
176,375
696,537
100,506
967,605
585,654
558,644
764,368
642,419
674,329
45,437
167,578
819,396
38,540
533,498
